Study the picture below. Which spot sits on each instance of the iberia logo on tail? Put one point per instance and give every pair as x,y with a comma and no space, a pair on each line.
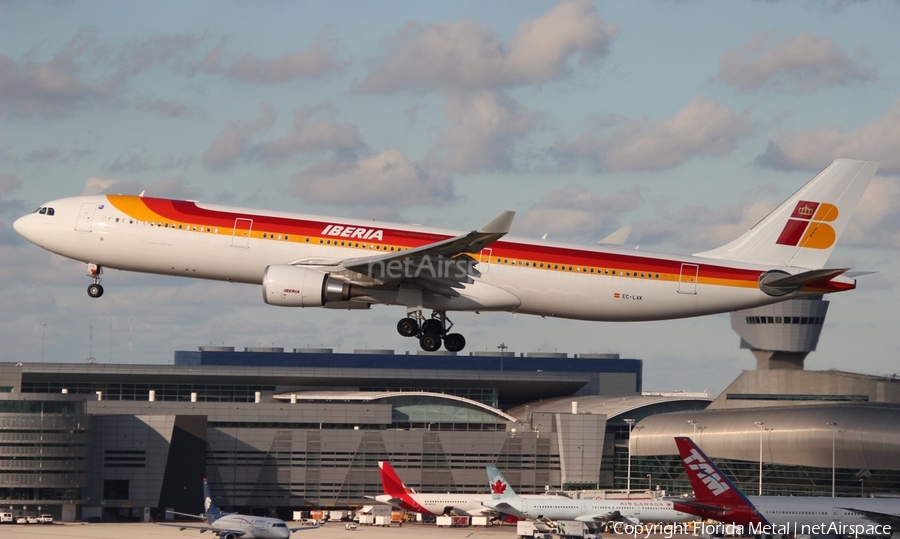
807,226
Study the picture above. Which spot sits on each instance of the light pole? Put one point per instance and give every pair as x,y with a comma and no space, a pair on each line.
649,482
693,423
628,467
502,348
760,425
832,425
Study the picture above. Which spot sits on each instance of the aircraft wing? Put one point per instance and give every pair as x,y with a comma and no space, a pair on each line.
691,504
182,527
441,267
292,530
506,509
876,517
607,517
201,517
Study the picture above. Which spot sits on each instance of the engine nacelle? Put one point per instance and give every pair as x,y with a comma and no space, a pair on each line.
294,286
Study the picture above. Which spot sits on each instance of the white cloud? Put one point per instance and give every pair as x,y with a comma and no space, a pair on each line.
316,60
467,56
876,222
806,62
230,144
98,186
575,211
85,73
877,140
311,134
383,183
9,183
702,128
482,131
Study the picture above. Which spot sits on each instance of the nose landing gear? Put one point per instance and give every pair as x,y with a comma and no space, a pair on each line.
431,332
95,272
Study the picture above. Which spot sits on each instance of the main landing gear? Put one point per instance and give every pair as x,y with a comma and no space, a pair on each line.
431,332
95,272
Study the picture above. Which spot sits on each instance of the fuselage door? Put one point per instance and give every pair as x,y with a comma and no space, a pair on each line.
85,217
484,260
241,235
687,281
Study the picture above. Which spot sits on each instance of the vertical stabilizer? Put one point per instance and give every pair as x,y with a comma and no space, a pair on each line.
499,485
210,511
390,481
803,230
715,496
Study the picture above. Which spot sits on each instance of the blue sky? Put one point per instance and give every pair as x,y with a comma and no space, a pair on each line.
688,120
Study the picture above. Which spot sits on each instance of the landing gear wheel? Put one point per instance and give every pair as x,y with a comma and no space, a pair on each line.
432,327
95,290
454,342
430,342
408,327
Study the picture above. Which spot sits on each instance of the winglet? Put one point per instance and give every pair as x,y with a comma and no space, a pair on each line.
500,225
617,238
500,487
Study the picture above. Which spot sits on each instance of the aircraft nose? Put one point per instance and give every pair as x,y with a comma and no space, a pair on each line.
21,226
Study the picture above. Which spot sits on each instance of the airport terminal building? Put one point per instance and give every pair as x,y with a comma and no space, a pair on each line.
278,431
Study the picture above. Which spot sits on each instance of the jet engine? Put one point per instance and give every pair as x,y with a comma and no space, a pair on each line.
294,286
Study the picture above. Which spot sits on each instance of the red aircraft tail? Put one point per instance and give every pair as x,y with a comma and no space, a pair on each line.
715,496
390,481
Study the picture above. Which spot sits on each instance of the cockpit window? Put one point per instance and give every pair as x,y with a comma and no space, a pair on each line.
42,211
50,211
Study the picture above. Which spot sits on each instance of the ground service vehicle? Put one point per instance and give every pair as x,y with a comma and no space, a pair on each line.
529,529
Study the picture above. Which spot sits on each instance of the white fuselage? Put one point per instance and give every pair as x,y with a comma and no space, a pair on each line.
438,504
253,527
533,277
590,510
800,512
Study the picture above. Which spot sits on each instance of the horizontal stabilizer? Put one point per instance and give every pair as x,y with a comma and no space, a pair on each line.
778,283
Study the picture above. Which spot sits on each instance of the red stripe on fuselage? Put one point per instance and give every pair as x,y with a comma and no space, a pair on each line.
189,212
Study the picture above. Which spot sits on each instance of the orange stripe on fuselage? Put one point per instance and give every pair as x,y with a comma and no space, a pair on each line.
504,253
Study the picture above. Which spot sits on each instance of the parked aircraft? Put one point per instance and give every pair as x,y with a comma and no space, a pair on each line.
397,494
505,500
312,261
716,497
235,525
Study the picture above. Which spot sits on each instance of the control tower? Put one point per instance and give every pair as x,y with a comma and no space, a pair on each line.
782,334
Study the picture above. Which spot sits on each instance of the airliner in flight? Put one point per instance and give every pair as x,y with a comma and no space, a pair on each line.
504,500
313,261
716,497
397,494
235,525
